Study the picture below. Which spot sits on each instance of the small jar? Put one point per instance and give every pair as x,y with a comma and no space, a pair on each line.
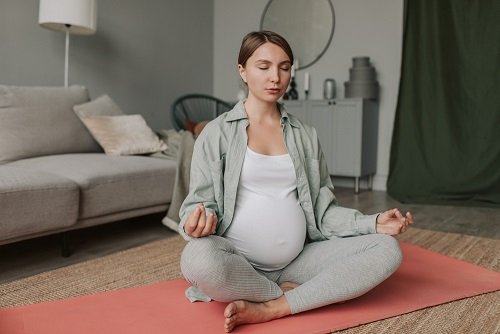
329,89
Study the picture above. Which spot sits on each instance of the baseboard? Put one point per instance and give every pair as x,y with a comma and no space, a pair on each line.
379,182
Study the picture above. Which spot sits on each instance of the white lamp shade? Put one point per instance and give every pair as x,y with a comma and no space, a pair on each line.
80,15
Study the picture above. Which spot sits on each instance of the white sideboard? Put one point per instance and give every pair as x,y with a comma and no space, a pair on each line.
348,132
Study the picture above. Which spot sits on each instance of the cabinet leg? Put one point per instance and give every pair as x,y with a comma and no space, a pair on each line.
356,185
370,182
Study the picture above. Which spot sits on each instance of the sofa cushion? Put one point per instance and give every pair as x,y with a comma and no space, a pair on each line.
36,121
117,133
124,135
34,201
111,184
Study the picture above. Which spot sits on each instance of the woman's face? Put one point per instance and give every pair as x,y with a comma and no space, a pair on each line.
267,73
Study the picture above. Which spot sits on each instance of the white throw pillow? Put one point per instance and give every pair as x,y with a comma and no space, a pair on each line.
124,134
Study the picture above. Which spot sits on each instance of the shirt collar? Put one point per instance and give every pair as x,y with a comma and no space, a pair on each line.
238,113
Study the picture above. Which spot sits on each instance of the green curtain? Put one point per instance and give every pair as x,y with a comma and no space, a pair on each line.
446,141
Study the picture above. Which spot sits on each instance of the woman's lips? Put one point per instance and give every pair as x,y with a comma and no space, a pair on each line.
273,90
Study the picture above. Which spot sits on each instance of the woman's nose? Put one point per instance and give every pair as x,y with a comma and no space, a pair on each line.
275,77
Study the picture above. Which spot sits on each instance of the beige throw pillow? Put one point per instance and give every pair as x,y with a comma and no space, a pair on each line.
123,135
101,106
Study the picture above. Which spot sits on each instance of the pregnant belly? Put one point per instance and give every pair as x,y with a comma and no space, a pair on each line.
269,232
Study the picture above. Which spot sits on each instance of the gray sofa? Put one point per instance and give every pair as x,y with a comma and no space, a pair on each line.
54,177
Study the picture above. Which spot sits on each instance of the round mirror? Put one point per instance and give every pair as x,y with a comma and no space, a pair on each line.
307,25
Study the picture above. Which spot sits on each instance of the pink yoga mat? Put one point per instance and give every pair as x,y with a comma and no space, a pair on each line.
424,279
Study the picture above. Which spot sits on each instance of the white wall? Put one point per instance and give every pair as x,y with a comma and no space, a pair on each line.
362,28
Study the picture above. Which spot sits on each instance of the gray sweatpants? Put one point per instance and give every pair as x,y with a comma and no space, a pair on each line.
328,271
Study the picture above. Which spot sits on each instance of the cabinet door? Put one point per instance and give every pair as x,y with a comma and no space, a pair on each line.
347,124
347,131
321,116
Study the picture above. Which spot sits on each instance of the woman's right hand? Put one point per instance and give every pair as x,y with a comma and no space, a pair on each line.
199,224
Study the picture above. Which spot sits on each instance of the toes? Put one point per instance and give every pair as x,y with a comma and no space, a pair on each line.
232,315
230,310
229,324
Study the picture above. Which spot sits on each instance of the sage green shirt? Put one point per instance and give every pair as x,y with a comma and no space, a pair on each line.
216,167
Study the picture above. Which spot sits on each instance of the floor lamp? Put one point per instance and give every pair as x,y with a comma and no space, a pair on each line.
77,17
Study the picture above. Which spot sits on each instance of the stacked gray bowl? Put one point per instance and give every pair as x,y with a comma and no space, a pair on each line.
362,80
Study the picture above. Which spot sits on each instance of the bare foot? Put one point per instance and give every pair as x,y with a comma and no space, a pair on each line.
244,312
287,286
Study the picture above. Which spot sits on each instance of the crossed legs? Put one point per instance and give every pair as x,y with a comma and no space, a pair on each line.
340,269
325,272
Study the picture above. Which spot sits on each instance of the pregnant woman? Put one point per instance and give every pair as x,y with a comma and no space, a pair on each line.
264,228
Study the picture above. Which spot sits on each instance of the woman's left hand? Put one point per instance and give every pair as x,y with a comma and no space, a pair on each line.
393,222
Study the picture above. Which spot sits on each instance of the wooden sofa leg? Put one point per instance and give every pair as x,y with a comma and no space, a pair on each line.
65,245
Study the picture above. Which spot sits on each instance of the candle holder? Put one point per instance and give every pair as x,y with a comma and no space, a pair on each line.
306,84
292,92
306,92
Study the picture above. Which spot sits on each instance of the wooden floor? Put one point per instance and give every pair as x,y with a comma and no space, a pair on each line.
31,257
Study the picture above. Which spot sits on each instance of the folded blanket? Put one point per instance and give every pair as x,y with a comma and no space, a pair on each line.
180,148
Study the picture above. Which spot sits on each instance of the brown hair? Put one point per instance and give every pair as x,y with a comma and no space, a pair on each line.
252,41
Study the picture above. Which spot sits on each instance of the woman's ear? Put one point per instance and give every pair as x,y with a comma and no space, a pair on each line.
243,73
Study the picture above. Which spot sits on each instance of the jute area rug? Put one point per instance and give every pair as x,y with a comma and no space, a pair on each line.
159,261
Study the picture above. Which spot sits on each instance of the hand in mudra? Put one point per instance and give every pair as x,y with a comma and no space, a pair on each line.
199,224
393,222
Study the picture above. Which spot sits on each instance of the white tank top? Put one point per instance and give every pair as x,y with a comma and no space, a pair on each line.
269,226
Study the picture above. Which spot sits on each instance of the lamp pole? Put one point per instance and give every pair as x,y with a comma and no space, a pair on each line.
66,56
